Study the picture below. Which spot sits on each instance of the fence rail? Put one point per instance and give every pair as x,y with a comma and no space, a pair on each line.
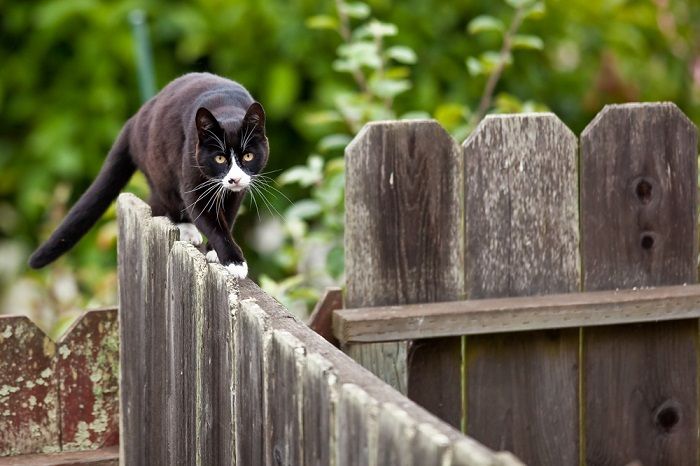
237,379
522,209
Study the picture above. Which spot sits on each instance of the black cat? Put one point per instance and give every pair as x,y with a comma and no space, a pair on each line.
200,142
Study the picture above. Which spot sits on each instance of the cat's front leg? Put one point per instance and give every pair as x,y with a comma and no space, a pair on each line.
225,250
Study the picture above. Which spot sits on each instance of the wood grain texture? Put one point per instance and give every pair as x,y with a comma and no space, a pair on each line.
134,220
356,399
108,456
356,426
29,407
87,368
521,221
404,240
497,315
638,209
321,318
318,409
187,271
217,384
251,330
159,237
284,394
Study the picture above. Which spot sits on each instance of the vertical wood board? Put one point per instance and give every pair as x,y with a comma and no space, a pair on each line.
639,228
319,402
187,271
87,367
28,389
134,220
521,222
404,241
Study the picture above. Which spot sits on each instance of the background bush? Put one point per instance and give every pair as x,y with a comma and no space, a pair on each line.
68,81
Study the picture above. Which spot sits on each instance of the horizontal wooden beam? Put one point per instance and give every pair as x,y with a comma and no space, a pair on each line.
107,456
432,320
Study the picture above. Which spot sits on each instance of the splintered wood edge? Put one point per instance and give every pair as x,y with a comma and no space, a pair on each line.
484,316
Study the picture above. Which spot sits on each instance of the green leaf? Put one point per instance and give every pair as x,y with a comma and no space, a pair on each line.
334,142
356,55
520,3
388,88
303,209
522,41
474,66
536,11
485,23
357,10
402,54
322,22
376,28
491,59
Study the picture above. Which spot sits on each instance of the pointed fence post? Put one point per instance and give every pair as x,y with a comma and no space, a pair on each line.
404,243
639,229
521,218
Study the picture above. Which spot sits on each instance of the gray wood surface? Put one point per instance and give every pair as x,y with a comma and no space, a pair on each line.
251,329
521,220
159,235
108,456
404,240
355,426
318,408
497,315
217,382
134,221
284,394
187,272
639,228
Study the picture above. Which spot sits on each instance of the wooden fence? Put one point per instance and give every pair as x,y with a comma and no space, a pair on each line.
524,208
59,397
216,372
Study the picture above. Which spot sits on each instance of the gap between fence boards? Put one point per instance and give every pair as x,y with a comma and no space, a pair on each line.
482,316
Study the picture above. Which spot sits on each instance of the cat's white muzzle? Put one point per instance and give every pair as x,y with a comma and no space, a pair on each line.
236,179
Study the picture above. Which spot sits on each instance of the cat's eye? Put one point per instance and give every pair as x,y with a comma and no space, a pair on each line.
220,159
248,157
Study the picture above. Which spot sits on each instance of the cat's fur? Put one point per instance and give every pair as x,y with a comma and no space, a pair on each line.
175,139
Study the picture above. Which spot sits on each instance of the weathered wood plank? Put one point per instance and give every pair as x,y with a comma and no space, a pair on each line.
404,240
318,408
321,318
356,396
498,315
28,389
638,209
159,238
356,431
284,394
218,385
187,271
87,367
250,330
108,456
522,239
134,220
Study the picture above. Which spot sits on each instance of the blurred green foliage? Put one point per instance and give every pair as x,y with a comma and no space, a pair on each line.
68,82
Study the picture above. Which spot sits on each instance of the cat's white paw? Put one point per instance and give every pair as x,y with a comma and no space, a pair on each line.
238,270
189,232
212,256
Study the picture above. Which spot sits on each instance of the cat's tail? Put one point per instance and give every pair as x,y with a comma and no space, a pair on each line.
113,176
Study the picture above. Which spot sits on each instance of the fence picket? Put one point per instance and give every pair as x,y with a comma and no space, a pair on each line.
87,367
403,243
28,389
522,239
639,228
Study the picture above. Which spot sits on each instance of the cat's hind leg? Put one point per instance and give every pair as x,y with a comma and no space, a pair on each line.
189,232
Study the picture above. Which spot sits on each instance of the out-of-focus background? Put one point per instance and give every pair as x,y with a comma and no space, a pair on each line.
70,77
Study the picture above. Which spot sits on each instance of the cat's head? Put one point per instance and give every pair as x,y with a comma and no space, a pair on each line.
232,153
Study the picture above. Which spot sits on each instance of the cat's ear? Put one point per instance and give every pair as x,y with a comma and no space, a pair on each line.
206,124
255,117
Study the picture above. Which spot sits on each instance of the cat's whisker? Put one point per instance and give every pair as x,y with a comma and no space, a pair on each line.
221,145
271,189
201,196
203,184
267,203
253,201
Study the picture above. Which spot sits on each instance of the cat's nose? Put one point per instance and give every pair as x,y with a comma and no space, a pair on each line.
234,180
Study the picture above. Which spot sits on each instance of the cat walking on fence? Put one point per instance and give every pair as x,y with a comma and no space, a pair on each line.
201,143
